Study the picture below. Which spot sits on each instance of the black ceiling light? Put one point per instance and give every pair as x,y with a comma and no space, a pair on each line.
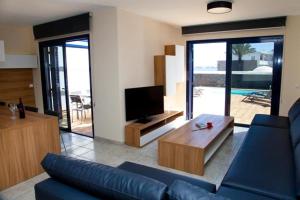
219,7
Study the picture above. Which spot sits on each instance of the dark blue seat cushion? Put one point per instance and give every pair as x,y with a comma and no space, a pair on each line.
271,121
294,111
236,194
101,180
297,163
164,176
181,190
51,189
264,164
295,131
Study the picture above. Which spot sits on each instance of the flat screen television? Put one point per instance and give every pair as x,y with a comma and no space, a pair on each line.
141,103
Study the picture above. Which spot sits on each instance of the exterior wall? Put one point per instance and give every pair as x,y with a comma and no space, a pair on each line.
262,82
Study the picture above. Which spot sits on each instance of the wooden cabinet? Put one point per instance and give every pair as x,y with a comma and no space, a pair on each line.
23,145
169,68
138,135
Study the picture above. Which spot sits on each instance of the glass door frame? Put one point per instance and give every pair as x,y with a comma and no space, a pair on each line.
43,45
62,42
276,79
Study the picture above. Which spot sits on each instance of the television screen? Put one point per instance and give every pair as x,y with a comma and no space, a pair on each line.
143,102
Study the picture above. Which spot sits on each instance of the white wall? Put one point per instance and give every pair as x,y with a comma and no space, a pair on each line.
140,39
105,74
123,46
290,87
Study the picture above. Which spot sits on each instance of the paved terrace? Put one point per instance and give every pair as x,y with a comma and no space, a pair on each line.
212,100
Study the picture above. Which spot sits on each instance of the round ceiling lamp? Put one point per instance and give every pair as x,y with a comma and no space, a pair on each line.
219,7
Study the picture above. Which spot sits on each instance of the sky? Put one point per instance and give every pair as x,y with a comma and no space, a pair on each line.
208,54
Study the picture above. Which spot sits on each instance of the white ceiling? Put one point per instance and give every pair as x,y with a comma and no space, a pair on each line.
177,12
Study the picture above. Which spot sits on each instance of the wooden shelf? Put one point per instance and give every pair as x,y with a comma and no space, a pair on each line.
138,134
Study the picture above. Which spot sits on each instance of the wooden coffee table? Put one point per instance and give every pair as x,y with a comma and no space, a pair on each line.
188,150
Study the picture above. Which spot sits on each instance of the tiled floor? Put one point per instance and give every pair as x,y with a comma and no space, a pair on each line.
110,153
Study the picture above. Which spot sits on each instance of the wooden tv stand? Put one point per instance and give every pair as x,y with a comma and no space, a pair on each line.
138,135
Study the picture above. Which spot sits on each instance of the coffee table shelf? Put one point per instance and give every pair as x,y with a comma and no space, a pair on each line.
189,150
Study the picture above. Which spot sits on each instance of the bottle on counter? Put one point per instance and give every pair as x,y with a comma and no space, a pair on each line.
21,109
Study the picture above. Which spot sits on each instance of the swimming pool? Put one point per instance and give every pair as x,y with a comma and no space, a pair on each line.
242,92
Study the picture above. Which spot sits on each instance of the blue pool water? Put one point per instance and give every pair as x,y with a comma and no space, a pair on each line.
242,92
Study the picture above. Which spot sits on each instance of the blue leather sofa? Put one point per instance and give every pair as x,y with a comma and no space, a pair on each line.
267,167
73,179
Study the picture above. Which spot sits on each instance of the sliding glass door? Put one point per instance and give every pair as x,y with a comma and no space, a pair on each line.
77,58
209,78
244,74
55,96
252,65
66,81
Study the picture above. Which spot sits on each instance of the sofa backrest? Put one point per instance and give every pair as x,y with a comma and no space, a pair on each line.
101,180
294,111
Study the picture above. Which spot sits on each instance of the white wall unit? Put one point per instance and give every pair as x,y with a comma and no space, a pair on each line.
19,61
2,51
180,70
171,75
169,68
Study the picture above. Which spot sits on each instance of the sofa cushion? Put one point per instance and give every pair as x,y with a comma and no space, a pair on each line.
264,164
295,131
163,176
236,194
297,163
270,120
51,189
101,180
181,190
294,111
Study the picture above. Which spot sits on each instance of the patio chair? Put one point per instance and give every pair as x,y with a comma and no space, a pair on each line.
79,105
258,96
